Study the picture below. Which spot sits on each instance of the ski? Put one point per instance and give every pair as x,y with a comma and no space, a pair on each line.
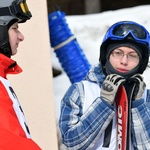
123,107
122,118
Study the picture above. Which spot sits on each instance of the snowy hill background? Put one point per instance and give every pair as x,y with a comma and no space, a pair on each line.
89,31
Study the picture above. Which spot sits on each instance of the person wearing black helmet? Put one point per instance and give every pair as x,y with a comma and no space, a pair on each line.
14,132
89,108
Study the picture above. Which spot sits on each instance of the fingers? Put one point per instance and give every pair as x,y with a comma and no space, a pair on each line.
107,87
140,81
112,81
110,87
138,77
115,79
140,85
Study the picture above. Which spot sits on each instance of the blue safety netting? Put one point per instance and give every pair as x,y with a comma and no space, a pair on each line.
66,47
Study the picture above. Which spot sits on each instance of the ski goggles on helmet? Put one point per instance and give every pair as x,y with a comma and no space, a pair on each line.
17,9
121,30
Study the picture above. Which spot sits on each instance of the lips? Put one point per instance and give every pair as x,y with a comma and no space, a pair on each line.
122,70
17,45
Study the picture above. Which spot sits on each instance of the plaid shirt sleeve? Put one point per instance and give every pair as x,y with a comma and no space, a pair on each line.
78,130
141,124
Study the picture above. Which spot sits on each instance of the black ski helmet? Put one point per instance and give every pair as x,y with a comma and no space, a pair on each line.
11,11
127,33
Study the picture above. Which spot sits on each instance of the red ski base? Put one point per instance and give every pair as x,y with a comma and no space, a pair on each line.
122,118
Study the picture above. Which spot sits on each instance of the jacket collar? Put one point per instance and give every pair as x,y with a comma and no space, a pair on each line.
95,75
8,66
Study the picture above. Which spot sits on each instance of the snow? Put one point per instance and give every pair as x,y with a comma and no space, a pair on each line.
89,31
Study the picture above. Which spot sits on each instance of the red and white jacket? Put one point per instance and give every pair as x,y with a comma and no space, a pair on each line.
14,132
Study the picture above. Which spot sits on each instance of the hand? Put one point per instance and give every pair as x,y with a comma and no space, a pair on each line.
140,86
110,87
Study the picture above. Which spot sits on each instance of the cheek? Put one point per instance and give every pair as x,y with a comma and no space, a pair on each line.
113,61
10,41
133,64
11,38
12,45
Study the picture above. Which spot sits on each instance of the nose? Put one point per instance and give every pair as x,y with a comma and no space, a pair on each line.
20,36
124,60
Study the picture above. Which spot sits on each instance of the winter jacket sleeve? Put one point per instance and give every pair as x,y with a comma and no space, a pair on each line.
141,123
12,136
80,130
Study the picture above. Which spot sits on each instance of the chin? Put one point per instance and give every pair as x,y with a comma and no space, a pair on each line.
122,71
14,52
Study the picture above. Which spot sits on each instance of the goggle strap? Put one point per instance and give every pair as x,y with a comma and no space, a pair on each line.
13,11
5,11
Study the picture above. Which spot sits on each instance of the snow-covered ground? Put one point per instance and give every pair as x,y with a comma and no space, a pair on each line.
89,31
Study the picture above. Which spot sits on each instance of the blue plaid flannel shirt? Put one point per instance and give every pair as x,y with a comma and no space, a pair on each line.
80,130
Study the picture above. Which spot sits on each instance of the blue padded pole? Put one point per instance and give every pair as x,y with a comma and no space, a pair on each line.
66,47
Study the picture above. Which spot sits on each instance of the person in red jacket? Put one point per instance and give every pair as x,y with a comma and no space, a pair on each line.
14,131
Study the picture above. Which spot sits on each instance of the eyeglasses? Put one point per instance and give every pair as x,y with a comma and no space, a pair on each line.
132,56
121,30
18,9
